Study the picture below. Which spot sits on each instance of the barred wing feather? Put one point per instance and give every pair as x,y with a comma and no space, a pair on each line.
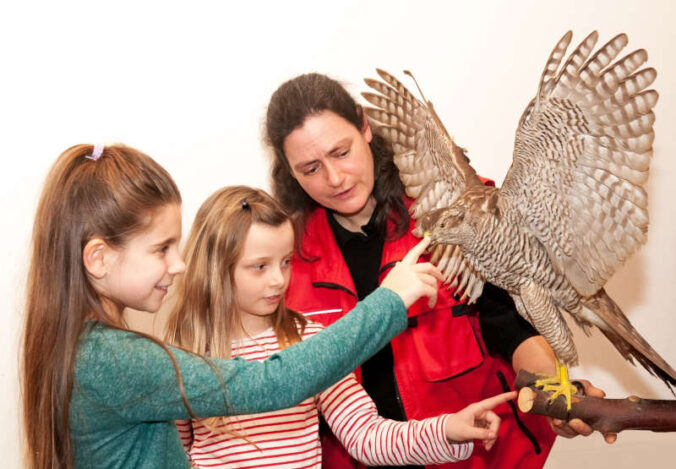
433,169
581,157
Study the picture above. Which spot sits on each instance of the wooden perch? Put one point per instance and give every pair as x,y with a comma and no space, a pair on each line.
604,415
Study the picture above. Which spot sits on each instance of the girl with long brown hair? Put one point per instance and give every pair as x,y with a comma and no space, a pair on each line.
106,237
231,303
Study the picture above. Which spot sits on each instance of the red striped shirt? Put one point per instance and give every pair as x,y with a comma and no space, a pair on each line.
289,438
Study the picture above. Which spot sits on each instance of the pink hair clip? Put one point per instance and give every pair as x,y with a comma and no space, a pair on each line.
96,152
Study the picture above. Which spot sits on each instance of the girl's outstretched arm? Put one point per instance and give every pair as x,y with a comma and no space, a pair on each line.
134,378
376,441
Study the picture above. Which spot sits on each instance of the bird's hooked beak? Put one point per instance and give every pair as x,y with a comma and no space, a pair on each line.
428,224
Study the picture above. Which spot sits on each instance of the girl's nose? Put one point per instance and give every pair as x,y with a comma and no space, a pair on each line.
177,265
276,277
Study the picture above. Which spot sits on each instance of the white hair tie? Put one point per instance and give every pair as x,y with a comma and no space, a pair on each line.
96,152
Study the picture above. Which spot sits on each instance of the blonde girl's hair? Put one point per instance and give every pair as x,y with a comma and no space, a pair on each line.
113,196
204,314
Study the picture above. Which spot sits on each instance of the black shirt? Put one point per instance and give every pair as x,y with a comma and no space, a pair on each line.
362,253
502,327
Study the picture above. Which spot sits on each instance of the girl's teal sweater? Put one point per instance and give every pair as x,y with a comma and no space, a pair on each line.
126,393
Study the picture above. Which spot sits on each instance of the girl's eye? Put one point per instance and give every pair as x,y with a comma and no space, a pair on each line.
286,262
343,154
259,266
164,249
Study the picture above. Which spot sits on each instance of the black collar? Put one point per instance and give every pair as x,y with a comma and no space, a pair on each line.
344,235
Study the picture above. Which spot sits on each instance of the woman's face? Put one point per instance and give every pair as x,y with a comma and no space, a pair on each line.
332,161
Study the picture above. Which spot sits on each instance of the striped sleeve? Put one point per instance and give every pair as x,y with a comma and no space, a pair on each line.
184,428
374,440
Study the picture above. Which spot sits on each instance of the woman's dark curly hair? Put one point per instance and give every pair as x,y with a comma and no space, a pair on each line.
308,95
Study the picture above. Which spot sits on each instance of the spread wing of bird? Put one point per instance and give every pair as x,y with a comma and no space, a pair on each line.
581,155
434,170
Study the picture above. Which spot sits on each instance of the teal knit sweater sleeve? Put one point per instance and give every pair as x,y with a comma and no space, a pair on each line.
121,376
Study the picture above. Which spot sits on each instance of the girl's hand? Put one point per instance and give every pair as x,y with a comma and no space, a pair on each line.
477,421
410,280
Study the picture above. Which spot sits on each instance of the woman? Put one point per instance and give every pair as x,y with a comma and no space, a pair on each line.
339,179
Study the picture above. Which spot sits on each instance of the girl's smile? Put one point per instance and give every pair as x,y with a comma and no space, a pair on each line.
163,288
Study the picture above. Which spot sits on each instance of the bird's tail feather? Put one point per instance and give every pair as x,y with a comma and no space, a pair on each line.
626,339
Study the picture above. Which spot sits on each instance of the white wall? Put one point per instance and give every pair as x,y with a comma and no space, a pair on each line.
189,83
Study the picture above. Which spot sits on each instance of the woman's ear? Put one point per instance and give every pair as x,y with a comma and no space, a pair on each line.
94,256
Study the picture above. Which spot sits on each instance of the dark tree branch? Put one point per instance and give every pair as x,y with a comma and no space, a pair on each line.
604,415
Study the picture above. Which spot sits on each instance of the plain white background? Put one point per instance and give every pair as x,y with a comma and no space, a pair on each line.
188,83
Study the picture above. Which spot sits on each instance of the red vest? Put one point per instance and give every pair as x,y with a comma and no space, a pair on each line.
440,360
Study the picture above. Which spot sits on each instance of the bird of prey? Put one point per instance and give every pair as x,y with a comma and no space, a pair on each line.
572,207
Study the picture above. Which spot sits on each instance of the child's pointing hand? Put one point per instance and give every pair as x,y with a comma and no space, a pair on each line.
411,280
477,421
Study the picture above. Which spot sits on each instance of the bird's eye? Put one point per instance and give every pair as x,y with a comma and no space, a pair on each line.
443,225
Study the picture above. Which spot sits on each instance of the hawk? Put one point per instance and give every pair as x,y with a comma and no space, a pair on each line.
572,207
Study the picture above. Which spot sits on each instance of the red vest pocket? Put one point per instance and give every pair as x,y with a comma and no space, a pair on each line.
445,346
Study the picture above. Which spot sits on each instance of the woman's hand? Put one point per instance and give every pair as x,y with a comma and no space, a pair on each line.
477,421
411,280
535,353
576,427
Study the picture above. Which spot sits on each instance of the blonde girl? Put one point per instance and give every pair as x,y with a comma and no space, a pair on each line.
96,395
231,303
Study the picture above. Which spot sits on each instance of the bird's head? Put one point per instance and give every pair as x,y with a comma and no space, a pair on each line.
448,225
461,223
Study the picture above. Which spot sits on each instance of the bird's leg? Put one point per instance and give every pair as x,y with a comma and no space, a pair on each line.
560,384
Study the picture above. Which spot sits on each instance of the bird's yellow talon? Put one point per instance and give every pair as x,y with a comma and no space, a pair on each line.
426,234
559,384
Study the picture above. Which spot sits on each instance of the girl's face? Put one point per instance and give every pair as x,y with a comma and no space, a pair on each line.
262,274
332,161
141,272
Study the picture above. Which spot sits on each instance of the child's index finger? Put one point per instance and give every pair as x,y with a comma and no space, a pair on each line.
494,401
416,251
